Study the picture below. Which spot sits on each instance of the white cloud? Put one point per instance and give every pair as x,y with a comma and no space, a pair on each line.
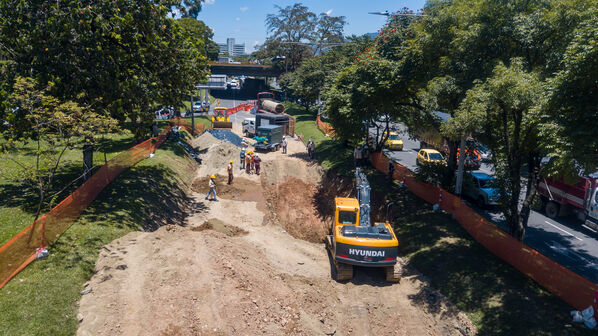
244,9
328,12
237,19
209,2
256,43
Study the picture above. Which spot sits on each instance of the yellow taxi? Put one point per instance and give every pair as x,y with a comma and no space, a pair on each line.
394,142
429,156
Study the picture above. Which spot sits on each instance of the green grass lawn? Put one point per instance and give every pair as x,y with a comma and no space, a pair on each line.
330,153
42,299
18,202
498,298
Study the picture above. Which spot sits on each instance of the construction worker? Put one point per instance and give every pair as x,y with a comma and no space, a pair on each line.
257,161
212,185
357,156
310,148
248,160
284,145
242,156
230,172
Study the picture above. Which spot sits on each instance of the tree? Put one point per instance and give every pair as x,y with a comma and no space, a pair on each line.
54,127
292,28
573,105
201,36
116,58
329,31
504,111
189,8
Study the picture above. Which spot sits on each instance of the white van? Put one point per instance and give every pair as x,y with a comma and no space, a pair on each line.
248,126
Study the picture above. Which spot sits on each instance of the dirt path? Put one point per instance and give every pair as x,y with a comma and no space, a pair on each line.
232,270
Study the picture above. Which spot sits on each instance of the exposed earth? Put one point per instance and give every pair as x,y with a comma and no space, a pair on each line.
253,263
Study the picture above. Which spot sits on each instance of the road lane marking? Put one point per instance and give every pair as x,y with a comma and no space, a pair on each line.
589,228
558,228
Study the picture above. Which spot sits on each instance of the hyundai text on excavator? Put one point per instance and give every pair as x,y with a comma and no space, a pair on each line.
355,241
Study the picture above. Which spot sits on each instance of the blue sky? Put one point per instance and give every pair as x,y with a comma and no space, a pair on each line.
244,19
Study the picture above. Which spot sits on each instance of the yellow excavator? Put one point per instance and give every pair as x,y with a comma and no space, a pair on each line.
355,241
220,120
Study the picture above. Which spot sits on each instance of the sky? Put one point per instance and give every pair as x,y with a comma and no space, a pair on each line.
244,20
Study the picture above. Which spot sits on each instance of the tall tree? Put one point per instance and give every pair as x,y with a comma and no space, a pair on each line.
329,31
292,27
504,111
573,104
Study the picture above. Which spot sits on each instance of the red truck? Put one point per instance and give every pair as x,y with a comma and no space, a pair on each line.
580,198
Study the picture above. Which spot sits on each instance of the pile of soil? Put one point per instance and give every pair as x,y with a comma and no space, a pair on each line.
293,205
217,225
215,154
277,171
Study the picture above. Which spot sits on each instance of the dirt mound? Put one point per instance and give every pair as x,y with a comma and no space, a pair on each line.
219,226
277,171
215,154
292,203
204,141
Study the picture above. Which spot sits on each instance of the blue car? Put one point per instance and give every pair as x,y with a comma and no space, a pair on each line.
481,188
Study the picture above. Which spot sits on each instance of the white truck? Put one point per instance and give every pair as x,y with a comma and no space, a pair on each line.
248,127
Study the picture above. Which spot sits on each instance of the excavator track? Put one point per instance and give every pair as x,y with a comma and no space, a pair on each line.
393,273
343,271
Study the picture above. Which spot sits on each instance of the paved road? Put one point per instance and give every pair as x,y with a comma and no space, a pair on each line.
564,240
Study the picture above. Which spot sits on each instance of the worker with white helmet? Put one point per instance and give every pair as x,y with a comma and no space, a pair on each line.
212,185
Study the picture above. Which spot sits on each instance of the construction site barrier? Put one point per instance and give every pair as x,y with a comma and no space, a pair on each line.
23,248
567,285
199,128
241,107
324,127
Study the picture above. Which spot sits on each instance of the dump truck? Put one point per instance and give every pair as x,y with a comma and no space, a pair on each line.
268,137
220,120
578,197
356,241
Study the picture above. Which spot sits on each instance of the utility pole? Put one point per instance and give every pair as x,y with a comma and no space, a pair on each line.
192,117
459,185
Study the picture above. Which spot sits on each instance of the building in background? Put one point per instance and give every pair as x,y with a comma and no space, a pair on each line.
231,48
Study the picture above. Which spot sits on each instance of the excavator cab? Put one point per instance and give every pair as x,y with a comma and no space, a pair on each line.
220,120
354,241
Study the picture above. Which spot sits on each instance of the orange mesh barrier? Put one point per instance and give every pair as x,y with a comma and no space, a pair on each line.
199,128
324,127
23,248
567,285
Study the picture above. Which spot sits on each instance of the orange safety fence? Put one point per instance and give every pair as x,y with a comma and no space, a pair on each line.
23,248
560,281
241,107
324,127
199,128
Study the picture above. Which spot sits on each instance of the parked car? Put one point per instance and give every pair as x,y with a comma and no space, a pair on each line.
394,142
481,188
428,156
485,153
164,113
198,106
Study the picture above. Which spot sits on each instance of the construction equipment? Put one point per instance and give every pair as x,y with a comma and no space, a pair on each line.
355,241
268,137
220,120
